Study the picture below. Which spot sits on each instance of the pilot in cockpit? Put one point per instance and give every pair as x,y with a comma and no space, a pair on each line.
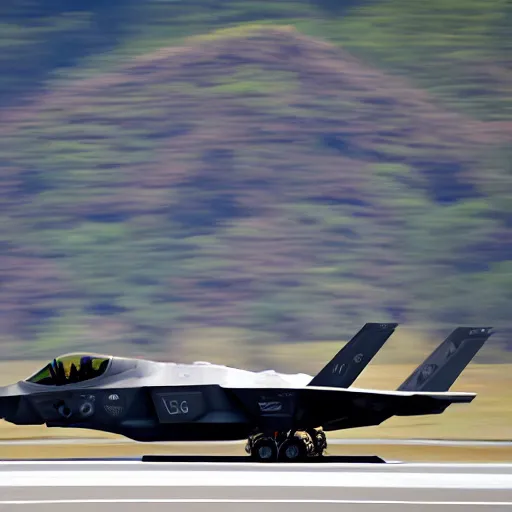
70,369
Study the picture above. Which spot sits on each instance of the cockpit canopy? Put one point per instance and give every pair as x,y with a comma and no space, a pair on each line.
71,369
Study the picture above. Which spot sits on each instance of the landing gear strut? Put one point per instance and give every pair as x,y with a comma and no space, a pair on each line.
293,446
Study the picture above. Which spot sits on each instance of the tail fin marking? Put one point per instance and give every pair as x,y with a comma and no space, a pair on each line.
444,365
353,358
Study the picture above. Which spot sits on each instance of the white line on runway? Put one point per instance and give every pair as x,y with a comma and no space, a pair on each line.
268,501
229,478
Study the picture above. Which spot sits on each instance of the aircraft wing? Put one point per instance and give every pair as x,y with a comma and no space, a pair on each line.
337,408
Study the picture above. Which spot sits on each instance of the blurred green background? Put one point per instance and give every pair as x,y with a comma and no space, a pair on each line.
215,178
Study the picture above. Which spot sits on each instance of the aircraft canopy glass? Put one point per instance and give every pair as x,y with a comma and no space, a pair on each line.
70,369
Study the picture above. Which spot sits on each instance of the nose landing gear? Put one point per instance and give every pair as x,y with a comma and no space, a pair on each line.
293,446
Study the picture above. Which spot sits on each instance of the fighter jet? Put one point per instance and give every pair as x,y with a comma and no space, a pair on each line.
283,417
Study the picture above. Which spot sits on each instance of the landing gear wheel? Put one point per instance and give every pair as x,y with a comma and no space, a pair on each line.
292,450
319,440
264,449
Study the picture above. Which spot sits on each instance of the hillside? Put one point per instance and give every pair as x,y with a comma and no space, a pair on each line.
457,49
254,179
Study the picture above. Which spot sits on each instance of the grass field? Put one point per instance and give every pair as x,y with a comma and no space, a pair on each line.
393,452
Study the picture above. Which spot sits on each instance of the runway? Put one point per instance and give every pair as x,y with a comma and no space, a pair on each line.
126,485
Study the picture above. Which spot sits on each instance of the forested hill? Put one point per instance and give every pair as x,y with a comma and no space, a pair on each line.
289,181
458,49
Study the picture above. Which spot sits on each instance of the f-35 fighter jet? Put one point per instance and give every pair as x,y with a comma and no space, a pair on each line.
284,417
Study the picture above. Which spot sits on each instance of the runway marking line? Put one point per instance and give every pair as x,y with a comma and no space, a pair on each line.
177,478
267,501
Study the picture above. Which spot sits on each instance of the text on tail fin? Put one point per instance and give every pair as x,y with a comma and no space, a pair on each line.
442,368
352,359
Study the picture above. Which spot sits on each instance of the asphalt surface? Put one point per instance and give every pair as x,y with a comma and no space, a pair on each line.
126,485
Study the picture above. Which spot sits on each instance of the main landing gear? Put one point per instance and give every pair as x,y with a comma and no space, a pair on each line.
293,446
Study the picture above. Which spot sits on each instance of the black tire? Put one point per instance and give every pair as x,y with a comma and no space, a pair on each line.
264,450
320,443
293,450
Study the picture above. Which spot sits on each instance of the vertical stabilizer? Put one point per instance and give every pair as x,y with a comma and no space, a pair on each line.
353,358
442,368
